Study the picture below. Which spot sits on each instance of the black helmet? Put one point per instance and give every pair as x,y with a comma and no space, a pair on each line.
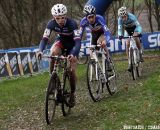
89,9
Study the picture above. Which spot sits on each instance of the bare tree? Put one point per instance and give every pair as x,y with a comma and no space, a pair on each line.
157,14
149,6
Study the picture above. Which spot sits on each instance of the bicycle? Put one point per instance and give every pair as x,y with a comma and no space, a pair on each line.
98,75
58,91
134,58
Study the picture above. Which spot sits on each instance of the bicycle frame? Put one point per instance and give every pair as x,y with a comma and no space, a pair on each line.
134,57
99,68
57,60
134,50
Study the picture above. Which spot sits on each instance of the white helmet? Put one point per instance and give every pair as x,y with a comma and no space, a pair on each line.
122,11
89,9
59,9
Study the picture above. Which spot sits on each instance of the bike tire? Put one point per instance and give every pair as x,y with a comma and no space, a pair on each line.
66,95
50,99
94,85
82,58
111,78
139,67
133,66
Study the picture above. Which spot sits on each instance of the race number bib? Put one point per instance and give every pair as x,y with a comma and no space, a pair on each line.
119,26
106,28
137,23
46,32
77,33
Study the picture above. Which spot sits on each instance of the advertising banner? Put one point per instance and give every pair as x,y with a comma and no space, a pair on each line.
13,62
34,61
3,66
44,63
25,62
149,41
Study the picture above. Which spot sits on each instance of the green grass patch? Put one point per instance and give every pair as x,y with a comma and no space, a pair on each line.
136,103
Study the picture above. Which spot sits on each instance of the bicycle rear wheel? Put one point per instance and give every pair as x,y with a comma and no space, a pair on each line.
66,95
51,96
82,58
111,78
93,81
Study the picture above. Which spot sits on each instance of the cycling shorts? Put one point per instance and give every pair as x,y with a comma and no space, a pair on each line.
64,51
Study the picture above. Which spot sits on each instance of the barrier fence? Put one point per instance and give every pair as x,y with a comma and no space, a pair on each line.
23,61
16,64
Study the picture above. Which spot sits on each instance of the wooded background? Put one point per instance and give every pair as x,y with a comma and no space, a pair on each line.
22,22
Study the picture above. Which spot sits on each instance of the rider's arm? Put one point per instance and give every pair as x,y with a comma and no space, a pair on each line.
105,28
77,38
120,30
138,26
45,38
82,26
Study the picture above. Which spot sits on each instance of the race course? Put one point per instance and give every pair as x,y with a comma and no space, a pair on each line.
135,103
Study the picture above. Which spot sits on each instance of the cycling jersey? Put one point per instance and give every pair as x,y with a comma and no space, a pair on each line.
97,29
130,25
68,35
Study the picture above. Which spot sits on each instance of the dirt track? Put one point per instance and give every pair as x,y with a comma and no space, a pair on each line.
32,118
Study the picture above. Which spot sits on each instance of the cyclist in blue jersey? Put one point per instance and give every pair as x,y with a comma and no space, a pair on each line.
68,38
132,27
99,30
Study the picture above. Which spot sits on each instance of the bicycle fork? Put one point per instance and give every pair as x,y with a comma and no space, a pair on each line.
133,52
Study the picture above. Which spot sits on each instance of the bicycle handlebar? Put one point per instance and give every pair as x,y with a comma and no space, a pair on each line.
55,57
130,37
91,46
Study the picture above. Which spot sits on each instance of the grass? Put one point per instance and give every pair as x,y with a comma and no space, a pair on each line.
136,103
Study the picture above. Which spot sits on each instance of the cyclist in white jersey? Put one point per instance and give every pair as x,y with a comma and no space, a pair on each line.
129,23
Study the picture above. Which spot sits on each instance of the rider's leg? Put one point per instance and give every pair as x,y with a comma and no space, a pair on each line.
73,80
138,43
102,41
56,49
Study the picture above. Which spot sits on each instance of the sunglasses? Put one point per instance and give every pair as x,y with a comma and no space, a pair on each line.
58,18
124,17
90,16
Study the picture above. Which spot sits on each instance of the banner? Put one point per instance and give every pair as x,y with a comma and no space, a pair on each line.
3,67
151,40
44,63
34,61
25,62
13,62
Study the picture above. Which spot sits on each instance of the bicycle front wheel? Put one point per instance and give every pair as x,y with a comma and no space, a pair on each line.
51,96
133,66
93,81
111,78
139,65
66,95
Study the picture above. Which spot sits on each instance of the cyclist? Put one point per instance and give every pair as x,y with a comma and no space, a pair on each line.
99,30
131,26
68,38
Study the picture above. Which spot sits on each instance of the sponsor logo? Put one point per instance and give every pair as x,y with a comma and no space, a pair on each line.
154,40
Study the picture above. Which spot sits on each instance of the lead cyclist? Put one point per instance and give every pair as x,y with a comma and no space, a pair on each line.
128,23
68,39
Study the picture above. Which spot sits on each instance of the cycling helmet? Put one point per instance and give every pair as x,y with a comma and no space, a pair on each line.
89,9
122,11
59,9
